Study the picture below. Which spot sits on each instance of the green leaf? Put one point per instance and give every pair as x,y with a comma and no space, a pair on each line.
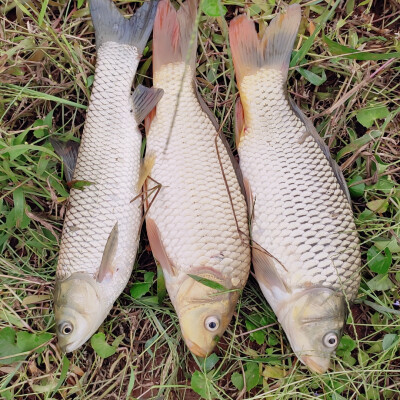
213,8
209,283
80,3
366,215
161,289
28,341
80,184
347,344
211,361
381,283
251,374
100,345
353,54
388,340
202,385
237,380
258,336
356,190
8,346
356,144
380,205
367,116
139,289
378,262
313,78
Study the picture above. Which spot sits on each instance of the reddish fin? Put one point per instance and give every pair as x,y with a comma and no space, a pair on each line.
175,34
239,121
149,119
157,246
249,197
273,50
108,262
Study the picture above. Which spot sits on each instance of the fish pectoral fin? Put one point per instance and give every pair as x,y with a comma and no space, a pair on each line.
239,121
310,130
145,170
68,151
144,100
266,273
157,247
108,264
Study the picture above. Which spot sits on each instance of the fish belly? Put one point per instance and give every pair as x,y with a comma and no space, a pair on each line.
300,214
199,225
109,158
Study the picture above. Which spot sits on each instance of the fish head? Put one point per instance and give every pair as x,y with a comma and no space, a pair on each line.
77,309
313,322
204,313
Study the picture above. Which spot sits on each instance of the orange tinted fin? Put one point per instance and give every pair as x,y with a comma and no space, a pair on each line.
249,197
148,120
239,121
175,34
157,246
273,50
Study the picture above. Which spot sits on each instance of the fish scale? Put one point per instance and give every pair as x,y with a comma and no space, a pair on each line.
109,157
301,215
193,204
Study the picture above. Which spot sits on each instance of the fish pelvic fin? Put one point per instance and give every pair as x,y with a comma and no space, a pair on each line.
175,34
251,52
111,26
68,151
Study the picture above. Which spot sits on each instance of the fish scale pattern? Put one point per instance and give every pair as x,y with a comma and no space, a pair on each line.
301,215
192,210
109,158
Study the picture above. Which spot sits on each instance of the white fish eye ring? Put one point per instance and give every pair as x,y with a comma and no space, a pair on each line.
211,323
65,328
330,340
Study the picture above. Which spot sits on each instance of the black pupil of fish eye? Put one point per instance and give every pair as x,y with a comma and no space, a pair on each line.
212,325
332,340
67,330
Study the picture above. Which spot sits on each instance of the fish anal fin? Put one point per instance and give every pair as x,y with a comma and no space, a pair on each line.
266,272
249,196
108,261
68,151
239,122
157,247
144,100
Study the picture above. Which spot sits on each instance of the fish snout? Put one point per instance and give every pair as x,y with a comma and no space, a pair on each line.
196,349
318,365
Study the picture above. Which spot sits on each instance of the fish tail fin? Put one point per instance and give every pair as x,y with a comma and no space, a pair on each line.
175,34
272,50
111,26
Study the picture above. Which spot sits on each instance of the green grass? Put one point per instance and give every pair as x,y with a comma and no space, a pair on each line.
47,56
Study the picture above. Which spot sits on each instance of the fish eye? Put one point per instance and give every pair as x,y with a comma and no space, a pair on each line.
65,328
330,340
211,323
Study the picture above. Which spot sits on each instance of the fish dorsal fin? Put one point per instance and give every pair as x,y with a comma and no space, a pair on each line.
239,121
107,266
264,267
157,247
310,129
144,100
68,151
205,108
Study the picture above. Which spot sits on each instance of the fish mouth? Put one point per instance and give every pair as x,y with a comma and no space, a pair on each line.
196,349
315,366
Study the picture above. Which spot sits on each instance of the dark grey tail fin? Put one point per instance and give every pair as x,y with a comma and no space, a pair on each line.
111,26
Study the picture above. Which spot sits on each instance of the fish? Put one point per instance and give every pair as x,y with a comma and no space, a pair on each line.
196,213
305,247
101,229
